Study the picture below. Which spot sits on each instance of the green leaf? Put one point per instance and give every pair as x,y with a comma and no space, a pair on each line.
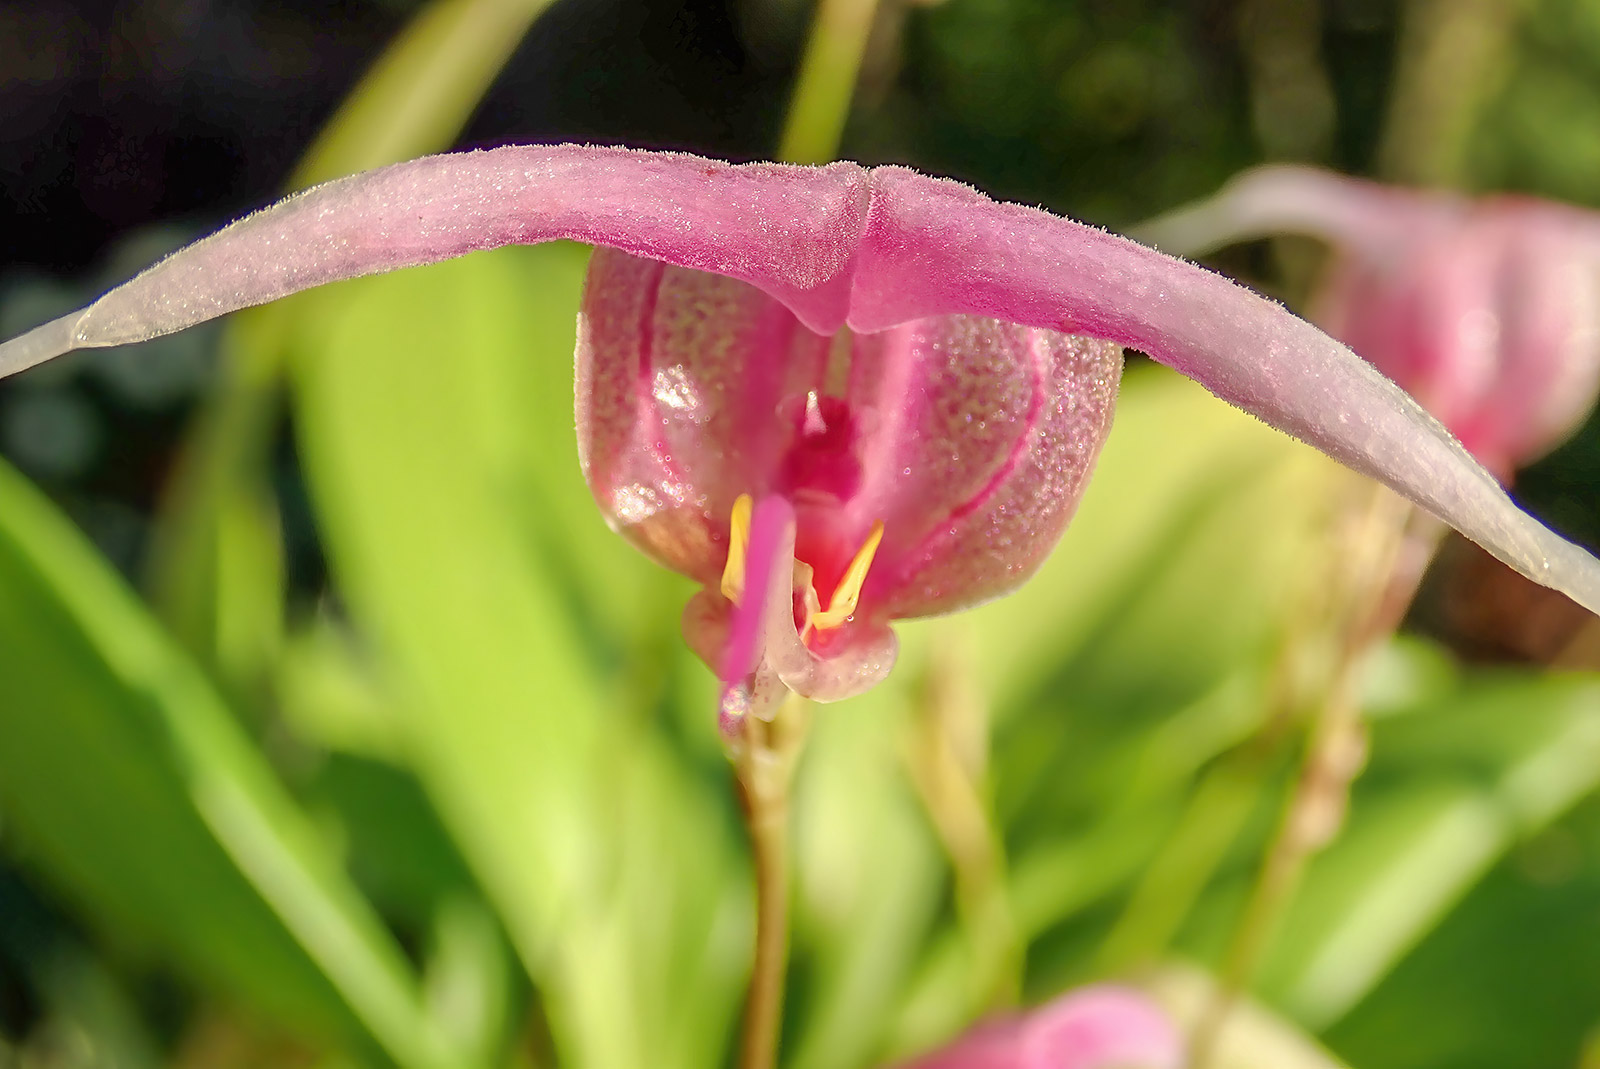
330,696
1149,642
125,779
216,567
1454,786
869,877
1509,976
524,642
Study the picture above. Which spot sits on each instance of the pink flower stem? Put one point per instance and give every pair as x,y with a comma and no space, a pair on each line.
765,756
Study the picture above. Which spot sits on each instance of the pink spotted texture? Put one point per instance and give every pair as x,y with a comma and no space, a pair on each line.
841,246
1103,1027
968,438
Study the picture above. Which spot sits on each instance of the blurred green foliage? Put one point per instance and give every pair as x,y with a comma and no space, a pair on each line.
464,804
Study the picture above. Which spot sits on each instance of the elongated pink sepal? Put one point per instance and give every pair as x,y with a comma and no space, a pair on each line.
838,245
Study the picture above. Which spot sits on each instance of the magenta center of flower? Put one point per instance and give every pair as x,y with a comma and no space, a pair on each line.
818,473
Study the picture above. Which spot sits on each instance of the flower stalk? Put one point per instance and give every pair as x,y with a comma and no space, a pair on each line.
765,754
1454,58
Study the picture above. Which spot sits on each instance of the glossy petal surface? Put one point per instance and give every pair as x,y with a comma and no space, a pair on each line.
680,375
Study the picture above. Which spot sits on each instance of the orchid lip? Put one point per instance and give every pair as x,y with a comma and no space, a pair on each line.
812,616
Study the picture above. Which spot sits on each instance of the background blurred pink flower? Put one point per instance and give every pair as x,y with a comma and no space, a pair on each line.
1102,1027
1487,311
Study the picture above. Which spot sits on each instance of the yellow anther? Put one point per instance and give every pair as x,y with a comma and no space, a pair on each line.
738,544
848,592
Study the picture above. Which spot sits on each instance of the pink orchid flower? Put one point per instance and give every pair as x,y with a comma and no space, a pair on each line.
1487,311
835,396
899,473
1104,1027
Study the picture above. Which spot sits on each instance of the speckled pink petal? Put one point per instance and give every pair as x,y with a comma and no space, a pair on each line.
951,398
972,437
999,433
680,378
1103,1027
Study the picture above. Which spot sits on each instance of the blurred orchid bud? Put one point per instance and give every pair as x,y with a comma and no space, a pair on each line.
820,486
1104,1027
1487,311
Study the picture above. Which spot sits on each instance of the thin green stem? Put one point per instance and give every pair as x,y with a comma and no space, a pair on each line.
1454,57
420,93
948,761
1216,812
765,758
828,73
1382,565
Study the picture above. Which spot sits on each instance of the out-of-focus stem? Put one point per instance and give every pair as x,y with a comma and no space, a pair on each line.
1291,95
827,81
1385,557
1452,60
1216,812
765,756
948,759
1218,808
